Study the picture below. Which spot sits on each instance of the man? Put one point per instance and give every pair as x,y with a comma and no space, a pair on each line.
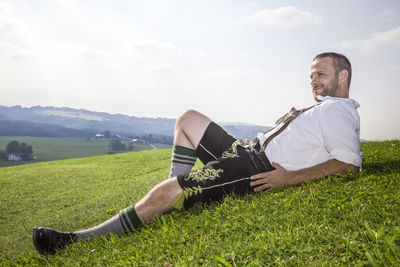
306,145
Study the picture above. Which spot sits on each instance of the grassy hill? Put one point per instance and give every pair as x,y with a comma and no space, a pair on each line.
352,219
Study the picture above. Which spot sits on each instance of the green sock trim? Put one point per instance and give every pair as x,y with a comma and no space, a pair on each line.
129,218
184,159
190,163
181,150
188,158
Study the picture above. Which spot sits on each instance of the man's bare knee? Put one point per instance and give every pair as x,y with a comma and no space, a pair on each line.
191,118
189,128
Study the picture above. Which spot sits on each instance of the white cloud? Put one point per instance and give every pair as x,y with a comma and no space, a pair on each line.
374,41
160,69
93,54
345,45
284,17
379,39
153,55
153,45
11,29
14,52
15,38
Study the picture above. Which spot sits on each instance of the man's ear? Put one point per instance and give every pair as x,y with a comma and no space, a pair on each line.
343,76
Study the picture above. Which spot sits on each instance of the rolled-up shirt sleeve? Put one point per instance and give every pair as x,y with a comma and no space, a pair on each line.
340,130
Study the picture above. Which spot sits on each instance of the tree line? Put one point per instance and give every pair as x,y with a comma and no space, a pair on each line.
117,145
22,150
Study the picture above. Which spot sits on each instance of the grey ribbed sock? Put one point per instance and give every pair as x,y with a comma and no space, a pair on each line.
182,160
125,221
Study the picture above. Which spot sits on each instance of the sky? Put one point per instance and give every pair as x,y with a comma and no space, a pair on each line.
235,61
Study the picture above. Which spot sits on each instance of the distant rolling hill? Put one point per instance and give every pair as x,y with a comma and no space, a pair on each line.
36,129
69,122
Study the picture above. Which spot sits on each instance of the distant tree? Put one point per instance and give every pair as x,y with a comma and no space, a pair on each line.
107,134
130,146
23,147
29,150
113,144
116,144
13,147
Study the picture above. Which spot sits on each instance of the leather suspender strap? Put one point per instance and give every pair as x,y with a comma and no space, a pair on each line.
286,119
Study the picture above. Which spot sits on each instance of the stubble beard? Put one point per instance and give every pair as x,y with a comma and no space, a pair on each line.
328,90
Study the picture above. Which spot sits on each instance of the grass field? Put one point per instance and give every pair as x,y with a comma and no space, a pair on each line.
352,219
46,149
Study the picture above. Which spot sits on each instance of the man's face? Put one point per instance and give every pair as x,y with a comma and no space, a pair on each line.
324,80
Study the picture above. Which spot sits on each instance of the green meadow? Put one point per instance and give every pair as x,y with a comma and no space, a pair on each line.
353,219
47,148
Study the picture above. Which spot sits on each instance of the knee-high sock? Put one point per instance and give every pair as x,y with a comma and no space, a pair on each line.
182,160
125,221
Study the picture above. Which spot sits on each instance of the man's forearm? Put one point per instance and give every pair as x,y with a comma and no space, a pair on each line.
280,177
321,170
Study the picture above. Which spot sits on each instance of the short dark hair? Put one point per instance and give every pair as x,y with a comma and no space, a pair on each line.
340,62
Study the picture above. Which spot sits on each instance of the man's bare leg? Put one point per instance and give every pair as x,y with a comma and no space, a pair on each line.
158,201
189,129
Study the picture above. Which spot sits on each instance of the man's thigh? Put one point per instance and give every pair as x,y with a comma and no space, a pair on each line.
218,178
213,143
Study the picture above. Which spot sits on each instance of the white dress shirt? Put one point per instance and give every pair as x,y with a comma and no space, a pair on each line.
330,130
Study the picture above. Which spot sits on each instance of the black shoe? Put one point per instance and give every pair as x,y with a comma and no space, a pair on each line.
47,240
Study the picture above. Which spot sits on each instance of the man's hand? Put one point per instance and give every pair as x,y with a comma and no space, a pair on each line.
279,177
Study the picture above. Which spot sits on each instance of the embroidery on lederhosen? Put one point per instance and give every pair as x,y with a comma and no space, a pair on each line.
204,174
232,151
198,175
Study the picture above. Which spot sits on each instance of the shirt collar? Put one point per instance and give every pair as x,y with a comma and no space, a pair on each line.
349,100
